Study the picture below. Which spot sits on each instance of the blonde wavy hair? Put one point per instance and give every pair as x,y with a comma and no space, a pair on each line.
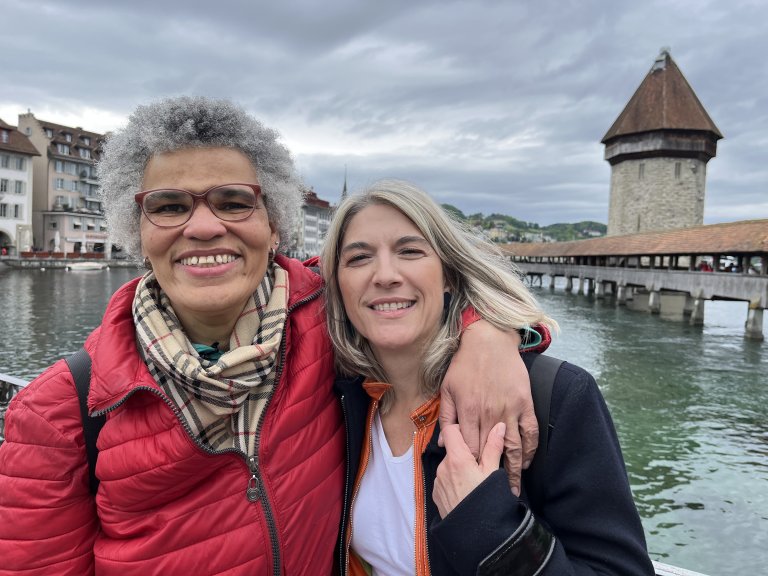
475,270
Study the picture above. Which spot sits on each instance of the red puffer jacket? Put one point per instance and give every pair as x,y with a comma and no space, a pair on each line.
166,505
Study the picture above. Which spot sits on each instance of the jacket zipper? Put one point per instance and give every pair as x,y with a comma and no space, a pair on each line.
255,490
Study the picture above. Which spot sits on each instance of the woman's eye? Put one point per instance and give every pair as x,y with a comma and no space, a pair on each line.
168,209
412,252
356,259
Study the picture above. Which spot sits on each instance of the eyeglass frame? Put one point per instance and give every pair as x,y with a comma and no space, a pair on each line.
196,198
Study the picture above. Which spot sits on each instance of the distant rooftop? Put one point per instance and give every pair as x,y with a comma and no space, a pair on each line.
729,238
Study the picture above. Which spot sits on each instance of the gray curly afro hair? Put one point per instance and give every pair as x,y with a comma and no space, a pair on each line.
187,122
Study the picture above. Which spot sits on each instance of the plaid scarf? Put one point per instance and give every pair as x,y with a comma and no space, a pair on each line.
220,401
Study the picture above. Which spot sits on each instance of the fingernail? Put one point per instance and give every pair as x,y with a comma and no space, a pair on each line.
501,429
526,464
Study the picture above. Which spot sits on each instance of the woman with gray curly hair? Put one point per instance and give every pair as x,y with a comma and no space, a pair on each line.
223,448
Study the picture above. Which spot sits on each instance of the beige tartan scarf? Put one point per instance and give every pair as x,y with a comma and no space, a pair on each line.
220,401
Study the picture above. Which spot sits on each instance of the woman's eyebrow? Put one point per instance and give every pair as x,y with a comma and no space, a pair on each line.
409,239
355,246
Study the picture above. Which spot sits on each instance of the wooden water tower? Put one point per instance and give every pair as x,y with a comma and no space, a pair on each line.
658,149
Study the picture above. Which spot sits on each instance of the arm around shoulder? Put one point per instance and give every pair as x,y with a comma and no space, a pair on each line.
48,521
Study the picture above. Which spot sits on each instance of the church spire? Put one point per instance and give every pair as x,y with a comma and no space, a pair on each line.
344,190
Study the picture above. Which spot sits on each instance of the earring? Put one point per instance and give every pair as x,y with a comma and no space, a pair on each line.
147,264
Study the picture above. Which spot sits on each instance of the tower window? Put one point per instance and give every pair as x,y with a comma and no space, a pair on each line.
641,171
677,170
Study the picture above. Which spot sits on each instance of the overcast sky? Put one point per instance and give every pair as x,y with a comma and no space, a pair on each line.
493,106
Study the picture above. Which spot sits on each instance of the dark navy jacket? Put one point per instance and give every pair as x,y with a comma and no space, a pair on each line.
584,516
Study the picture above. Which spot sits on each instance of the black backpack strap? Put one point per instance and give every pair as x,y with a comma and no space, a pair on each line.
542,374
80,366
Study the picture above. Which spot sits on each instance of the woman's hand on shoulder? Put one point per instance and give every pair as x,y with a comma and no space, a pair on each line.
487,382
459,473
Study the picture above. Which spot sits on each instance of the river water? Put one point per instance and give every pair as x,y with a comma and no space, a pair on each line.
690,403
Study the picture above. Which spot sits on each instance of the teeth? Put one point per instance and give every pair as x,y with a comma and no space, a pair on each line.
208,260
389,306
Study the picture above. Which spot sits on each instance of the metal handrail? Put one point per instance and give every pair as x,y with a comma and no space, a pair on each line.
10,386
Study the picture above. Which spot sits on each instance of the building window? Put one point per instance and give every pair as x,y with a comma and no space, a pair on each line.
62,148
90,225
19,187
53,225
59,183
17,211
49,132
77,224
85,153
59,166
4,136
28,131
21,163
677,170
70,168
3,210
86,141
641,171
5,161
3,185
68,137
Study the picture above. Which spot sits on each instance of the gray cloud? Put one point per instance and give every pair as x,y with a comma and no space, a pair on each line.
492,106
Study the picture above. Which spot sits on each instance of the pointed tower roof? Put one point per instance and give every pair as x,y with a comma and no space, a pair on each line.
664,101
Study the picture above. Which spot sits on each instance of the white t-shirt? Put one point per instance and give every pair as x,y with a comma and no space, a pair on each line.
383,525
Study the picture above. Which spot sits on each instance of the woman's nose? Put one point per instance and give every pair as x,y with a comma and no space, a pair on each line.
203,224
387,272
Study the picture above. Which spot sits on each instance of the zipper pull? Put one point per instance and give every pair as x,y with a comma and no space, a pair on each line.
253,492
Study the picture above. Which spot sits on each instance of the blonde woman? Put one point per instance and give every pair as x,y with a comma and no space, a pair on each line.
399,271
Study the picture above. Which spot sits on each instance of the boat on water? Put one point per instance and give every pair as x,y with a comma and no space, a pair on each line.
86,266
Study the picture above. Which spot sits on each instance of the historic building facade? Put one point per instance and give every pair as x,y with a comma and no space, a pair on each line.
314,220
658,149
16,155
67,213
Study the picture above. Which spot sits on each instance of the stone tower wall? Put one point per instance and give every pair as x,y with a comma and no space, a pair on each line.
653,194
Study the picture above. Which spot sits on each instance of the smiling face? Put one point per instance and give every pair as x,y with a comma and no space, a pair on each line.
207,267
391,281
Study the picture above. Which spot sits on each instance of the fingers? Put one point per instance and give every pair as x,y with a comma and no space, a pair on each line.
455,446
448,414
494,448
513,458
529,434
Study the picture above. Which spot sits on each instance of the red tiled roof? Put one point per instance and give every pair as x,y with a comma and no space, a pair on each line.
17,142
311,199
730,238
664,101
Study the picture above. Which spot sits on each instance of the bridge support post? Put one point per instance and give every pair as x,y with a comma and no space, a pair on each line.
621,296
569,284
600,289
591,283
697,314
581,285
753,329
552,283
654,302
688,306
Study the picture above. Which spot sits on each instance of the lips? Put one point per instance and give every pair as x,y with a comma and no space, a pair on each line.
210,260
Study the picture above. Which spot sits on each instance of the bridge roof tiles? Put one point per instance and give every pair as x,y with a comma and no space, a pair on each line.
748,236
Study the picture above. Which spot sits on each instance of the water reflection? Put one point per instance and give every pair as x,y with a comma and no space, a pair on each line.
691,410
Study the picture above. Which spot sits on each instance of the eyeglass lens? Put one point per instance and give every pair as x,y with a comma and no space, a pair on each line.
174,207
